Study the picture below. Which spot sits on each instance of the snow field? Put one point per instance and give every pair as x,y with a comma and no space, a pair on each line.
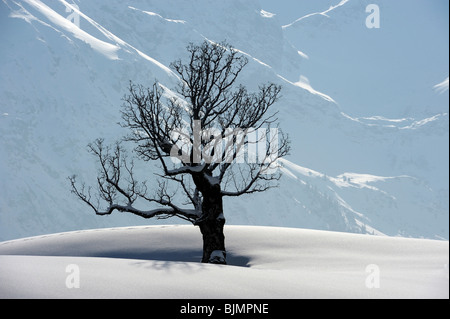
264,262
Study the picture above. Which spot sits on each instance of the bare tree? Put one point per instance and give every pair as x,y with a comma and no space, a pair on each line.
210,136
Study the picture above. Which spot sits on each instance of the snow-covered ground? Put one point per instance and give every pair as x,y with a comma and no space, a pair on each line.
264,262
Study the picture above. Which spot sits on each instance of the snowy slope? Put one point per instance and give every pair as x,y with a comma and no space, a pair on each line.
264,262
61,87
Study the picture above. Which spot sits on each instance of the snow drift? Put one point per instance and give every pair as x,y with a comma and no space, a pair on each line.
264,262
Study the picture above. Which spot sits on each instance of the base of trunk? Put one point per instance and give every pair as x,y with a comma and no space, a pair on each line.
213,241
218,257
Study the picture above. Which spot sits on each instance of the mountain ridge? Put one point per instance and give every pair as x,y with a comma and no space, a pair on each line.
60,91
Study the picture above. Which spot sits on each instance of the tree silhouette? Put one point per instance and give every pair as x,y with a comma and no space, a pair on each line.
210,136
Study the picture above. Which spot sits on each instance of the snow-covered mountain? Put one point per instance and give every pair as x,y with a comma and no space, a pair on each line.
65,68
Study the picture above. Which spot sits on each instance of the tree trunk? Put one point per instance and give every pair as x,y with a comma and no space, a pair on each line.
211,226
213,241
212,221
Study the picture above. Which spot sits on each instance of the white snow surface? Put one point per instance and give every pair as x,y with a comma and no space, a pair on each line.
442,87
264,262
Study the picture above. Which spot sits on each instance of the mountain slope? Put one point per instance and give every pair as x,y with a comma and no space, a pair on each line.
61,87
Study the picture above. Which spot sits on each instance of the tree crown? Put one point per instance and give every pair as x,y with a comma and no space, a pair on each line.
197,132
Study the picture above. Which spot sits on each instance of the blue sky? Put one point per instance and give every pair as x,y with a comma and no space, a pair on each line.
390,71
